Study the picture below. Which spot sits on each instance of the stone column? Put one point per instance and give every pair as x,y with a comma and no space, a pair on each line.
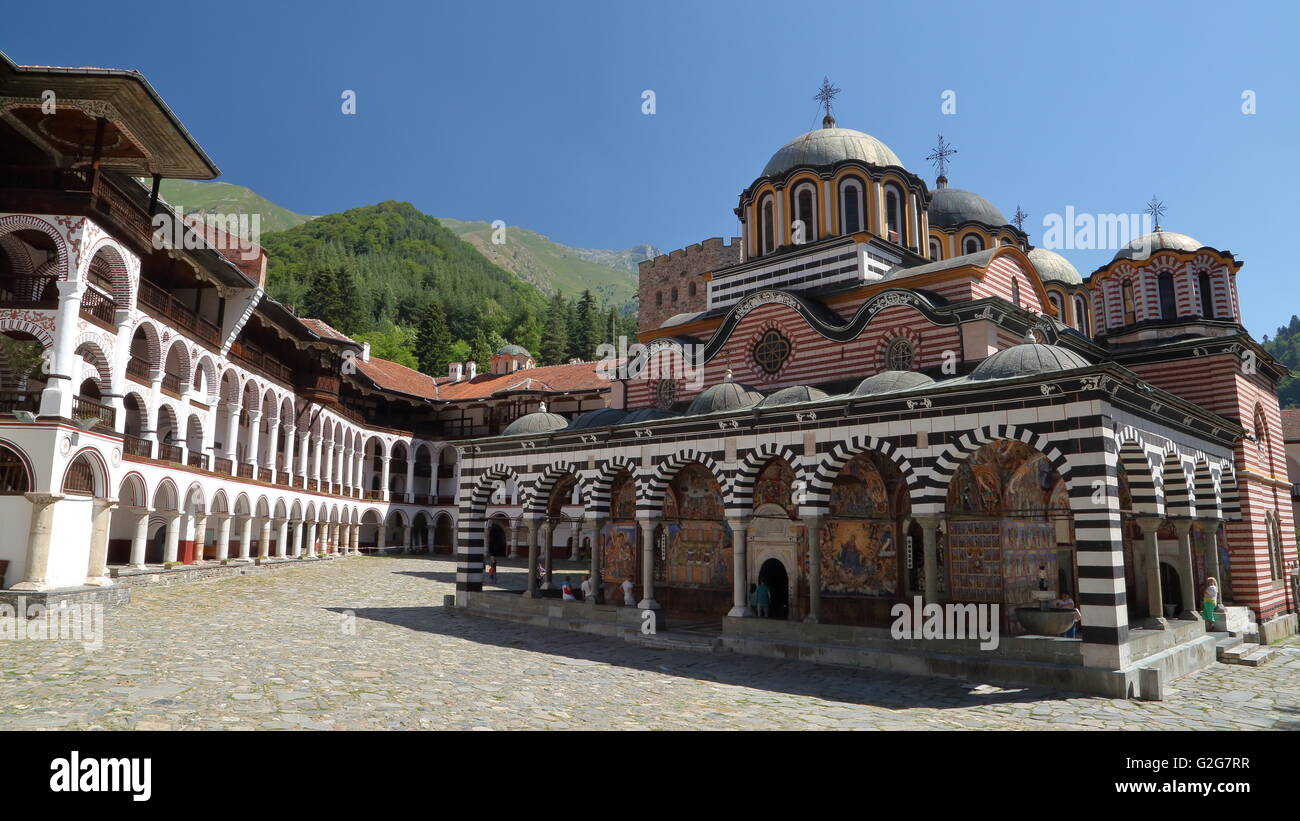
282,538
514,541
1151,560
597,591
289,441
383,478
56,399
232,432
1191,596
1209,545
311,539
813,527
930,555
254,439
97,568
576,550
545,546
200,536
297,539
316,469
223,537
172,543
356,540
739,569
648,564
531,590
140,539
410,475
245,538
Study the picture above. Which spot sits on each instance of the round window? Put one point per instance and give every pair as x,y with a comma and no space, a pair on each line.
771,351
666,393
898,357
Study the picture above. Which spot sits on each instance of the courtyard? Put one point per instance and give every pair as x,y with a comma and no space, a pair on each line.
365,643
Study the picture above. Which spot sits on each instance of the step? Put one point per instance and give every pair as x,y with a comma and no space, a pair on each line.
676,641
1257,657
1233,655
1225,643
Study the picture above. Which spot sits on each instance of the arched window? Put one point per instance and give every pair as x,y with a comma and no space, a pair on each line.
1006,241
805,210
1207,295
1055,299
1168,297
1015,290
895,227
936,249
972,244
13,473
80,478
659,297
769,225
850,207
674,295
690,289
900,356
1081,314
1130,307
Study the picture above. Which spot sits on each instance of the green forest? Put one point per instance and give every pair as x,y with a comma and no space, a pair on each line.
1286,347
392,276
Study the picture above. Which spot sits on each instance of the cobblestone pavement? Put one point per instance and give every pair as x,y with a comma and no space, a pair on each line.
273,651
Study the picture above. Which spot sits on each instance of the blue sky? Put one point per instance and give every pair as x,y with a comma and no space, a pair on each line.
531,112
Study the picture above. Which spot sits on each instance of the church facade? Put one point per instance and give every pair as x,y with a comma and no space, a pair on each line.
902,397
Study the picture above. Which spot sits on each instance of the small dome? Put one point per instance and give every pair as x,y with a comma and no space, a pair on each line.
724,396
827,146
1147,244
1027,359
646,415
598,418
890,381
1052,267
792,396
512,350
950,207
535,423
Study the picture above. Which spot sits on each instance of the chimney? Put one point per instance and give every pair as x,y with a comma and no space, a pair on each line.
473,370
454,371
365,351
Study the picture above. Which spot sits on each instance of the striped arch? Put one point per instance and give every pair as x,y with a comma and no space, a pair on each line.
742,488
538,495
120,263
946,464
88,348
1208,498
1143,478
1180,492
656,488
469,529
43,335
24,222
601,483
818,496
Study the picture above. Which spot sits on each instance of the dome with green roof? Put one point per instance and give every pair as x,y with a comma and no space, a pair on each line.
1158,240
724,396
1027,359
890,381
535,423
792,396
827,146
1052,267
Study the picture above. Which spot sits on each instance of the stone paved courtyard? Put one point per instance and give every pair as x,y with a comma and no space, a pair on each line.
274,651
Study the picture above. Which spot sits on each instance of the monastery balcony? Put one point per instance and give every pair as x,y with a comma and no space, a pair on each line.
11,400
169,453
34,291
76,191
223,465
162,305
252,357
197,460
99,308
83,407
139,370
137,446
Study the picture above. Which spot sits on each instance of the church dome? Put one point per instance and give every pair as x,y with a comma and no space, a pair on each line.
890,381
535,424
724,396
598,418
1052,267
792,396
512,350
1147,244
1027,359
646,415
827,146
950,207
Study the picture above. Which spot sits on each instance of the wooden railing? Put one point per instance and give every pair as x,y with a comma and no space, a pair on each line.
263,474
223,465
377,495
252,356
197,459
157,301
137,446
29,292
245,471
11,401
83,407
138,368
97,306
281,478
173,384
169,453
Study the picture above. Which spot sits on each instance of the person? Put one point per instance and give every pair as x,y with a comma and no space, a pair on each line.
1066,602
1210,599
566,592
628,599
586,588
753,597
492,571
763,595
541,573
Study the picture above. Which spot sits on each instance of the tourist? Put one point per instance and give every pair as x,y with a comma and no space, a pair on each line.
628,599
492,571
1210,599
753,597
566,592
588,590
1066,602
763,596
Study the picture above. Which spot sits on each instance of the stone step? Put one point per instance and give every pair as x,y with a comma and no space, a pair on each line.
1257,657
1234,654
676,641
1225,643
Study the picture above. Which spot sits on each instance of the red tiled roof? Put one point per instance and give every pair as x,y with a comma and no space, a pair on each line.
549,379
396,377
1291,424
322,328
245,255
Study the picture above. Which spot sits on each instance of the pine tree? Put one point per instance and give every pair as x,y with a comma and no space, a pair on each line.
481,350
433,341
333,298
555,333
584,331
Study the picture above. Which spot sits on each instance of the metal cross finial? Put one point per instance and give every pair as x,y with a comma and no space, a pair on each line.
1019,219
826,95
1156,209
939,156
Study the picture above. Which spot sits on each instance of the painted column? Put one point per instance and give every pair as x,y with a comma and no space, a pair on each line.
200,536
930,556
739,569
428,542
173,537
531,590
648,564
813,527
140,539
97,568
545,546
597,591
245,538
223,537
338,470
576,550
1183,527
56,399
304,458
1151,560
296,547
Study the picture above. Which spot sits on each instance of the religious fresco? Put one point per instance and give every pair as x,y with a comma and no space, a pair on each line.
560,495
860,557
694,548
618,552
773,487
695,495
622,503
975,560
859,489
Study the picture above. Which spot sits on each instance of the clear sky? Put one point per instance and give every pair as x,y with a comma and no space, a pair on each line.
532,112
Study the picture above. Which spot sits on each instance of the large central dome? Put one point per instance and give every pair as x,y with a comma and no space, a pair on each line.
827,146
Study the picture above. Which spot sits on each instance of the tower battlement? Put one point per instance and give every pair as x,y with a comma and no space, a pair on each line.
670,283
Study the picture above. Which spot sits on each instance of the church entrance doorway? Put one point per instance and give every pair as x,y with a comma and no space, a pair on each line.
773,574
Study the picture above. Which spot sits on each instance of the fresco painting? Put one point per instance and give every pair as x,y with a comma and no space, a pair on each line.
860,557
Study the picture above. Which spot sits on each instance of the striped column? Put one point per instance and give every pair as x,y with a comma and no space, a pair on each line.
1094,500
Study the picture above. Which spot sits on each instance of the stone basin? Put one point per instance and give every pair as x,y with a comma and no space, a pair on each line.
1050,622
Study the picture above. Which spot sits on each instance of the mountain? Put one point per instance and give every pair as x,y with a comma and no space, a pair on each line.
226,198
1286,347
552,267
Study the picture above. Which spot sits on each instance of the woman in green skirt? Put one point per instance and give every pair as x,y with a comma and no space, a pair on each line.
1210,599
